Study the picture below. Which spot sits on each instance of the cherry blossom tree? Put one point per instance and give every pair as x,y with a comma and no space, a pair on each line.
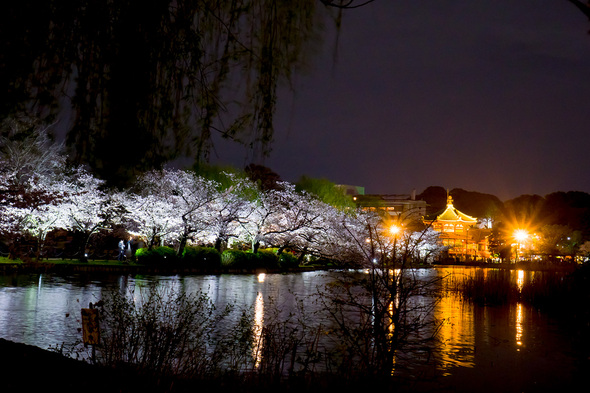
35,208
189,196
30,192
11,199
231,209
150,217
87,206
72,201
275,215
426,245
304,219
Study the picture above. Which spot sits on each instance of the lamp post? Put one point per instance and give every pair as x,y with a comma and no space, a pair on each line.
395,230
520,235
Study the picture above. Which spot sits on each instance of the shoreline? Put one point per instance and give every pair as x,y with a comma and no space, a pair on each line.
532,266
61,267
132,268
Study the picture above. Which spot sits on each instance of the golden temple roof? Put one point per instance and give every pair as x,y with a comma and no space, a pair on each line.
452,214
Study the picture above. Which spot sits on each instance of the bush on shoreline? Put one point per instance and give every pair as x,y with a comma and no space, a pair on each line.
208,258
162,259
155,256
238,259
205,257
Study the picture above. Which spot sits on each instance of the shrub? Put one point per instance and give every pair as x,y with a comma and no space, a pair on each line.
287,260
164,332
238,259
267,259
157,255
202,257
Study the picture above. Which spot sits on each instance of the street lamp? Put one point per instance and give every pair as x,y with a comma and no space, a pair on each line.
520,235
395,231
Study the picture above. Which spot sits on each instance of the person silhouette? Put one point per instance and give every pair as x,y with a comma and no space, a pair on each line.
121,250
129,252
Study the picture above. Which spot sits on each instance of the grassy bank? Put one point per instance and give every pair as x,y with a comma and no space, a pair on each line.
8,266
62,265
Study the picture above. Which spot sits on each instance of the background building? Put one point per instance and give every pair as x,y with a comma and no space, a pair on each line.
405,207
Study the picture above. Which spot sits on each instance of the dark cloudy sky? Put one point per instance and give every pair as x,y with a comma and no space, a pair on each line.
489,96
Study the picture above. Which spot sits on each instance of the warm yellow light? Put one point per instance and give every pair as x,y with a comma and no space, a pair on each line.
520,235
394,230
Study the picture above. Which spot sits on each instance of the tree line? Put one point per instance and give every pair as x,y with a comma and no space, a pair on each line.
40,195
43,194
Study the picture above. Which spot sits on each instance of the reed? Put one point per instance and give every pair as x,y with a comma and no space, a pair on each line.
547,289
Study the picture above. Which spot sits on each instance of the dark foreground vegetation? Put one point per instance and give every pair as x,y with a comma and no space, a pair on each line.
67,376
29,368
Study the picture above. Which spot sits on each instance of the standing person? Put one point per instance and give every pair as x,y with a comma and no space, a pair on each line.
121,250
129,248
133,245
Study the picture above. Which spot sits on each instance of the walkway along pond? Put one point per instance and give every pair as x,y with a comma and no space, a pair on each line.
509,348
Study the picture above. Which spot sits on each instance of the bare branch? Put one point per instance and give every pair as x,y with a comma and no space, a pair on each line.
585,8
344,4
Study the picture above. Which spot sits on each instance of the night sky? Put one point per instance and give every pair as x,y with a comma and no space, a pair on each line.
488,96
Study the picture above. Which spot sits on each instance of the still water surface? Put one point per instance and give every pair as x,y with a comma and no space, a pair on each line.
511,348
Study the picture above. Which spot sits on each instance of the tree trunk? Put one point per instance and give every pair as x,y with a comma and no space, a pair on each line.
40,243
255,246
302,255
220,243
182,244
83,257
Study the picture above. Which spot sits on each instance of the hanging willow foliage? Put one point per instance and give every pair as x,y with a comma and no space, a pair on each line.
147,80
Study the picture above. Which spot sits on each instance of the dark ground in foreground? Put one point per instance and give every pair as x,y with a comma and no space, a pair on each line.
25,368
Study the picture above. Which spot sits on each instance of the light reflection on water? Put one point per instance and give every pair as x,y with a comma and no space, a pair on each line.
36,309
509,348
466,323
43,310
456,334
258,325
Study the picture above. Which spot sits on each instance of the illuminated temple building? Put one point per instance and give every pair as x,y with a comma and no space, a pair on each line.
459,232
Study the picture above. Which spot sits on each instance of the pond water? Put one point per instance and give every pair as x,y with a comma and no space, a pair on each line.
511,348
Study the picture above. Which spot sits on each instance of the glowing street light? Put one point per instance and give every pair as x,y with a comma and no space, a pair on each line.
520,235
395,230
